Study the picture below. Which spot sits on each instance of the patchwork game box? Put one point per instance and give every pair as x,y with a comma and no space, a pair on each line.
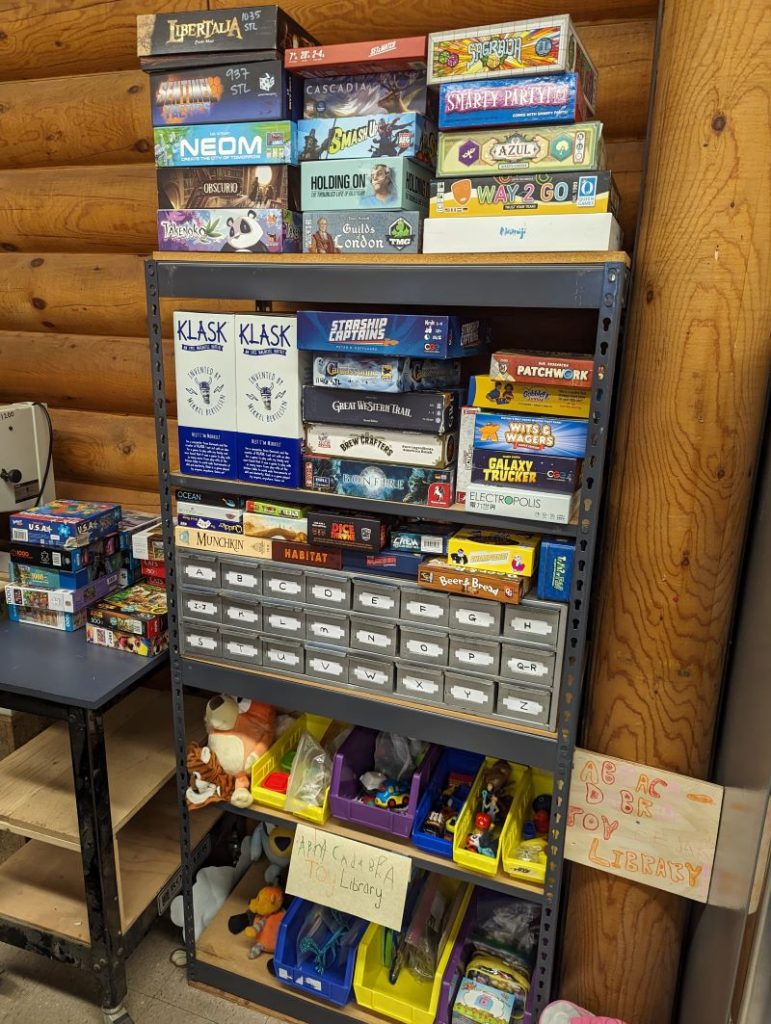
250,142
331,232
373,135
374,57
385,183
393,334
405,484
207,188
433,412
380,373
240,29
548,148
572,192
65,523
537,99
542,368
390,92
226,230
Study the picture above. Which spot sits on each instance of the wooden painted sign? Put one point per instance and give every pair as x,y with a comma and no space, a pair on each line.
649,826
349,876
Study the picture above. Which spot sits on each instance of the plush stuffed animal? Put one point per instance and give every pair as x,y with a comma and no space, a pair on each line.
267,914
209,783
239,733
563,1012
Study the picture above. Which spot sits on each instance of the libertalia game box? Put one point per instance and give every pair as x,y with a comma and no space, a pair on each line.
242,29
539,99
573,192
274,186
374,135
392,92
433,412
252,142
392,334
549,148
386,183
388,482
218,230
332,232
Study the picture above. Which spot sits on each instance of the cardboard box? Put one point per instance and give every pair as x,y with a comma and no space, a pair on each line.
391,334
522,503
374,57
367,94
360,533
530,435
367,135
258,524
543,368
215,499
424,538
218,230
493,586
381,373
147,647
586,232
530,471
535,397
555,569
525,194
62,600
494,551
306,554
64,559
386,183
275,186
534,148
233,519
209,523
270,372
387,562
65,523
426,450
537,99
56,579
251,142
405,484
205,364
67,622
468,417
331,232
140,609
240,29
223,543
434,412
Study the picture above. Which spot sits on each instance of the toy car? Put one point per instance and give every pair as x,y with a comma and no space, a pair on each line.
392,795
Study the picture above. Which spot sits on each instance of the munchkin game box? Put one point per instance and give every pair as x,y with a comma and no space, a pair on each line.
392,334
275,186
385,183
391,92
389,482
203,33
537,99
331,232
250,142
574,147
573,192
373,135
218,230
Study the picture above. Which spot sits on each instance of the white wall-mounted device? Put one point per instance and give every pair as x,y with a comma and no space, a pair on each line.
25,456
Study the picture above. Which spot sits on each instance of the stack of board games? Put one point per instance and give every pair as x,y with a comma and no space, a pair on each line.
224,114
520,159
366,144
491,564
134,619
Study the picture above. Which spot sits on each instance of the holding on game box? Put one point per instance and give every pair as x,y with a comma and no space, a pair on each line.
385,183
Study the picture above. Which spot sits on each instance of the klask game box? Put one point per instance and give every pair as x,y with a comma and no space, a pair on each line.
540,435
538,472
534,397
547,148
373,57
250,142
405,484
423,450
390,92
392,334
374,135
229,230
273,186
522,503
385,183
65,523
572,192
133,643
433,412
331,232
226,92
64,559
537,99
140,609
586,232
62,600
380,373
507,588
67,622
56,579
241,29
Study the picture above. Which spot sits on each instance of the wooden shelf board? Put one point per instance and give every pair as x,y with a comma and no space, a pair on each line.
37,797
44,889
418,259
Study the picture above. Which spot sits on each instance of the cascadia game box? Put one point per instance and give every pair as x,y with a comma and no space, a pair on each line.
534,397
227,31
250,142
543,368
385,183
573,192
373,57
380,373
548,148
331,232
536,471
422,450
65,523
404,484
140,609
389,92
433,412
584,232
226,230
234,188
392,334
373,135
537,99
564,438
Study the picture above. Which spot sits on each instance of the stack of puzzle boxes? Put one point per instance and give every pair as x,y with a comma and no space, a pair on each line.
224,113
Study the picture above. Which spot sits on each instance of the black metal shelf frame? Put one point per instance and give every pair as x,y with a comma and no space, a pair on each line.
596,286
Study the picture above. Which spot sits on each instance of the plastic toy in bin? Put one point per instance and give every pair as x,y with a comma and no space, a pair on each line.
483,821
440,806
525,836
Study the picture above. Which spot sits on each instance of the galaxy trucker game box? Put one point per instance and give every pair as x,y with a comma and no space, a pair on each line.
273,186
367,135
385,183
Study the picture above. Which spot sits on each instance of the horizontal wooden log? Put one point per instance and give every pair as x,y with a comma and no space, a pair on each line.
145,501
623,54
86,372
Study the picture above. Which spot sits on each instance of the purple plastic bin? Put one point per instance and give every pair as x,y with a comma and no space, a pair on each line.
354,758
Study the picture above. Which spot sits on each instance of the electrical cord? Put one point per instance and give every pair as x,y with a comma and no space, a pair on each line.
50,456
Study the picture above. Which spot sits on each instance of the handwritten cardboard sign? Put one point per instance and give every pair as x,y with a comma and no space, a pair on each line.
650,826
349,876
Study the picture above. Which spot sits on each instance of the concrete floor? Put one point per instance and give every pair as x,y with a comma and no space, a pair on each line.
33,989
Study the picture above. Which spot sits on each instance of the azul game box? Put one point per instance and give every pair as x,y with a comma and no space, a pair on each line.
432,412
535,397
573,192
241,29
392,334
66,560
145,646
207,188
538,99
65,523
226,230
226,92
62,600
496,431
567,147
249,142
373,135
404,484
408,54
536,471
331,232
391,92
534,47
380,373
542,368
140,609
432,451
584,232
386,183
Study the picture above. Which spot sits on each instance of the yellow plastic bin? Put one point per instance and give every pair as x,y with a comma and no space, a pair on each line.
480,862
534,783
317,726
411,1000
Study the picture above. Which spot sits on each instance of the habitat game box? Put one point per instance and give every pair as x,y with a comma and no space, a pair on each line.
433,412
381,373
393,334
239,29
573,192
331,232
537,99
408,54
385,183
140,609
432,451
250,142
373,135
404,484
390,92
563,438
226,230
547,148
65,523
206,188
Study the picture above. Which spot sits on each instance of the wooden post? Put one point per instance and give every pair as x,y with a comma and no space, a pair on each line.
694,387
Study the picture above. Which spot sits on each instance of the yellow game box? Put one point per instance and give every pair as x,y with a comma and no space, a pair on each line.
487,393
495,551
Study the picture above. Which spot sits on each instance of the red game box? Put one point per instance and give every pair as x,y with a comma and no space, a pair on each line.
358,58
548,368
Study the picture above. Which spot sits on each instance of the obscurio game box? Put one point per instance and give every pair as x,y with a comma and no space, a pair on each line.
274,186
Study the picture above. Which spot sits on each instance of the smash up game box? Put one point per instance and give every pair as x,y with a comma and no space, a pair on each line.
373,135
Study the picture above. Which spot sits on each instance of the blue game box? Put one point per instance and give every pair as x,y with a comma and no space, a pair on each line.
65,523
376,135
534,99
502,432
391,334
199,145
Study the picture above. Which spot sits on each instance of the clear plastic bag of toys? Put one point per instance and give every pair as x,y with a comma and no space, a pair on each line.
398,757
508,928
310,776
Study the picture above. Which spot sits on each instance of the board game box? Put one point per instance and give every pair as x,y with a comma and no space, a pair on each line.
217,498
423,538
57,579
374,57
386,562
494,550
363,136
307,554
532,47
542,368
140,609
523,434
534,397
387,183
522,503
585,232
62,600
196,508
65,523
507,588
64,559
555,568
274,526
362,533
272,508
573,192
430,451
239,29
433,412
395,334
206,522
67,622
148,545
250,142
224,543
218,230
535,471
390,92
133,643
548,148
379,373
405,484
537,99
274,186
331,232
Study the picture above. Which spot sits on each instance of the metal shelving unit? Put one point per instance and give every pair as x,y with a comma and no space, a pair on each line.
591,281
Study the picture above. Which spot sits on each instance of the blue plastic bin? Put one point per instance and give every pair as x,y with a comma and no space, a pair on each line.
450,761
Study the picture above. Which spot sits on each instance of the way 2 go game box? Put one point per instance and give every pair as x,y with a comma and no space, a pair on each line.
495,196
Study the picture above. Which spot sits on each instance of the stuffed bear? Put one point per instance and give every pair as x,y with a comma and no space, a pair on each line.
239,732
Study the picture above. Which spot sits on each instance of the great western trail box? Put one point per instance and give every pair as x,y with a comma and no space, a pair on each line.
542,368
515,432
389,92
331,232
250,142
534,397
572,192
404,484
367,135
248,91
573,147
537,99
393,334
218,230
433,412
534,47
396,374
65,523
227,31
374,57
386,183
274,186
536,471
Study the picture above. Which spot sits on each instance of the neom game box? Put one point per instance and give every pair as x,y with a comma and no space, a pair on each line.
385,183
572,192
331,232
227,31
275,186
373,135
527,148
537,99
252,142
391,92
380,55
264,230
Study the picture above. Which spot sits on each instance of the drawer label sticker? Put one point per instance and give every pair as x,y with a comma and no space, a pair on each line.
200,572
240,579
426,611
424,648
370,675
470,617
208,643
473,657
540,626
282,657
327,593
376,600
243,614
327,629
284,622
469,695
245,650
284,586
328,668
420,685
523,707
364,636
528,668
203,607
